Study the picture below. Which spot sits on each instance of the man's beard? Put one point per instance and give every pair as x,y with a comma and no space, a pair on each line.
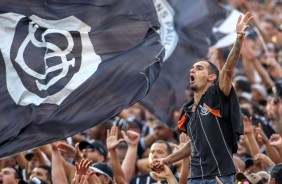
193,87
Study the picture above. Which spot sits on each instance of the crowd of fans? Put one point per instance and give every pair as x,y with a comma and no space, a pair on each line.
121,149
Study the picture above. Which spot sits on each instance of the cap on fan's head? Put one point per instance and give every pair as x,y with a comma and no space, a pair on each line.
94,145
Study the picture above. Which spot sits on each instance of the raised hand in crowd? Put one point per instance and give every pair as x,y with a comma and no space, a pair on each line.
263,140
112,138
70,151
128,166
243,23
166,174
57,172
112,143
122,173
248,126
249,135
83,173
82,167
131,137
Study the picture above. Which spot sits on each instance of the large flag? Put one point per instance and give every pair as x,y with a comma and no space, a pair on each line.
68,65
186,28
224,34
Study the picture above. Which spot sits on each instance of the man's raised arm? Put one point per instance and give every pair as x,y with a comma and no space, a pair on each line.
229,66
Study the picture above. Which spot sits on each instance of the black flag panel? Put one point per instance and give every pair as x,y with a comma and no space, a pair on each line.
68,65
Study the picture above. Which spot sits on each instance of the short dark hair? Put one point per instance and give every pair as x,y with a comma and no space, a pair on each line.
212,69
168,147
18,174
242,85
48,169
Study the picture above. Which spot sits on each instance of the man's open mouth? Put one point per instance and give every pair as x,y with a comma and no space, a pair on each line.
192,78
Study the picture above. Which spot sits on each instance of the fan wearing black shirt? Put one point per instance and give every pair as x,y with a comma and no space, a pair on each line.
212,118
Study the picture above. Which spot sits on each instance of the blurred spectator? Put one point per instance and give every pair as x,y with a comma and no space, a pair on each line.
159,149
103,172
265,176
94,150
259,94
43,172
276,174
10,175
251,178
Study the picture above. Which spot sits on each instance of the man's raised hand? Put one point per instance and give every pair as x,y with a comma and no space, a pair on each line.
243,23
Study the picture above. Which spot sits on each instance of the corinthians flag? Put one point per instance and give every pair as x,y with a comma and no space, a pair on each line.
68,65
186,27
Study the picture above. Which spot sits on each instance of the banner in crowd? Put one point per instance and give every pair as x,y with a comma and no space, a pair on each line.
67,66
225,33
185,32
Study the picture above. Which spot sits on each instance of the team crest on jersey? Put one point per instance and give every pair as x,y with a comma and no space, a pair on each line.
203,110
169,37
45,60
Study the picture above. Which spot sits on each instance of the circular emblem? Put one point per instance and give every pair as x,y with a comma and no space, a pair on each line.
46,59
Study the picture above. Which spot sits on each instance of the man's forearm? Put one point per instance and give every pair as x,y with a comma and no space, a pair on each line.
128,164
273,153
183,152
252,144
227,72
117,170
226,75
234,53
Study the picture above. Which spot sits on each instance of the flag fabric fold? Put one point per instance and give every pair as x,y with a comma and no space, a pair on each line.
67,66
186,29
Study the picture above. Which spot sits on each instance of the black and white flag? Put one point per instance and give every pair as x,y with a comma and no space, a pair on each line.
68,65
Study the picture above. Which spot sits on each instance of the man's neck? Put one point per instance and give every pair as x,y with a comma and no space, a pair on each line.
198,94
197,97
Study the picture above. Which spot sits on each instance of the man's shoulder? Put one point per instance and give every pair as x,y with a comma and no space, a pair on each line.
215,91
213,88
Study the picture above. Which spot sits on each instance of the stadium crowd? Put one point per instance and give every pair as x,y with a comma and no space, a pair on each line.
122,149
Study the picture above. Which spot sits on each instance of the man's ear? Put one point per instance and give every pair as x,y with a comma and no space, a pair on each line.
212,77
101,158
